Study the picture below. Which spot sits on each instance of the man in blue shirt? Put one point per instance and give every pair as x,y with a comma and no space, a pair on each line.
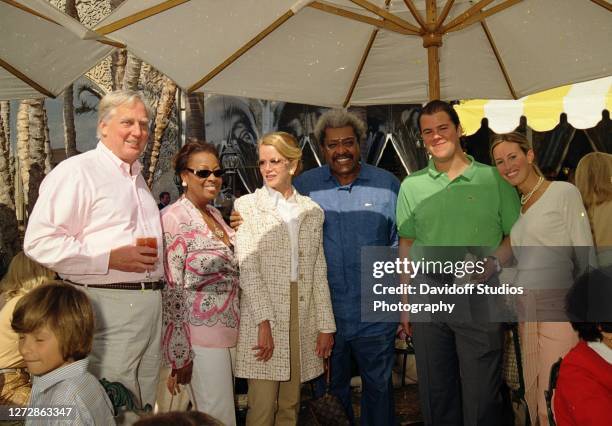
359,202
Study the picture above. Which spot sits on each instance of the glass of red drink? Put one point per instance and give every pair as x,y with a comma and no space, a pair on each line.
147,242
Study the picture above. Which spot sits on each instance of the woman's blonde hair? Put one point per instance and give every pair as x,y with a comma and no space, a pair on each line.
24,275
594,178
517,138
286,145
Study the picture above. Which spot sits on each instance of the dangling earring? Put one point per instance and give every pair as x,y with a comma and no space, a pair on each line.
184,184
291,172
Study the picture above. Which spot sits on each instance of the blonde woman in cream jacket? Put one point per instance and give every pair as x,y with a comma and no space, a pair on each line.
287,323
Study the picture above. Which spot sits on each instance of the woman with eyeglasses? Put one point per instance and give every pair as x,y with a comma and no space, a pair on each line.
287,322
201,299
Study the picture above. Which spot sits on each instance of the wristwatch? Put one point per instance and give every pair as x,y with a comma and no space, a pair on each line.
495,260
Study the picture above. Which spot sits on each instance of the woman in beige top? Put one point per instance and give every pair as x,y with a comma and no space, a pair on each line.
594,181
23,275
551,241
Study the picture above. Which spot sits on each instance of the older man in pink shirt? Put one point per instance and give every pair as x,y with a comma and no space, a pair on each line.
91,209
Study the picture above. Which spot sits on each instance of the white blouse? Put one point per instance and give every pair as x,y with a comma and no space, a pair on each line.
289,211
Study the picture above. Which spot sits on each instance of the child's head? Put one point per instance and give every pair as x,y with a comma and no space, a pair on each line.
23,275
55,323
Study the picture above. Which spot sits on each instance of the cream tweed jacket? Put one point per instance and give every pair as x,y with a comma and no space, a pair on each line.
264,255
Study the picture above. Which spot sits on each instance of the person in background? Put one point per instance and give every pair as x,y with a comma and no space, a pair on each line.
164,199
201,301
583,396
594,181
55,323
552,216
23,275
87,225
287,323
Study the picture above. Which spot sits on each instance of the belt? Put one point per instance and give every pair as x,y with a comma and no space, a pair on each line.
12,370
145,285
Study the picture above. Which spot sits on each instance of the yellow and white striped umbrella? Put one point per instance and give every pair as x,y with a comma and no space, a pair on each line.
581,102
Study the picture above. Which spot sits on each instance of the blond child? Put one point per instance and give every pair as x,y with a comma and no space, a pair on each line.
55,323
23,275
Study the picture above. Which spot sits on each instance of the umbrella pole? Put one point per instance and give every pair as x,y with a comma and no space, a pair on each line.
432,40
433,61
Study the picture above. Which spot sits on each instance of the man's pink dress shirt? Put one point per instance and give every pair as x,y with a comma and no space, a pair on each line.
89,204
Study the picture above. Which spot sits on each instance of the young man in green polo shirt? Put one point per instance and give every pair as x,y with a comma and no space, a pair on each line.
456,201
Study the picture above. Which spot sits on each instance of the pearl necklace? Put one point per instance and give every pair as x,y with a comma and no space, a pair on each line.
525,198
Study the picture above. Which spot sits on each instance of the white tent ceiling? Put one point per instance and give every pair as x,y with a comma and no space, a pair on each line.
43,50
310,52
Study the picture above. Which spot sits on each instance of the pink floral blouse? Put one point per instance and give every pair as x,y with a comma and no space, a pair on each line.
201,298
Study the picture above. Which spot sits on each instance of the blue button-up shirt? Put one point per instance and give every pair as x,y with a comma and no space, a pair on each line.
71,386
357,215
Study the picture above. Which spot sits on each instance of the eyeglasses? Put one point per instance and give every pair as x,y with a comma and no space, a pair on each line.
203,174
347,143
273,163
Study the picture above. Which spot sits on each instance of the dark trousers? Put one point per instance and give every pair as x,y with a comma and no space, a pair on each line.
459,371
374,356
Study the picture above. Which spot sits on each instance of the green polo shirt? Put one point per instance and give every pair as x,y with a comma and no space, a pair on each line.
476,209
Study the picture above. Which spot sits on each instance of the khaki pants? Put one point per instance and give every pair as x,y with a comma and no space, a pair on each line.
278,403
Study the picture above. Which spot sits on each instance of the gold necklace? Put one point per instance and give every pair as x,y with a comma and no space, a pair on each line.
216,230
525,198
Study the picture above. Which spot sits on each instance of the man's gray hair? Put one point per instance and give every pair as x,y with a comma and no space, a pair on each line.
335,118
112,100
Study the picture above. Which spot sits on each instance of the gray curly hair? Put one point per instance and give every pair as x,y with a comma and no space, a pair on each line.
335,118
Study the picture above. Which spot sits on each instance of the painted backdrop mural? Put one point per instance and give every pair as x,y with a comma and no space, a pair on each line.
235,124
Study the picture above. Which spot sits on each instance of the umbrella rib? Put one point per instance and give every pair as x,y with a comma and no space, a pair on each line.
499,59
28,10
139,16
480,16
415,13
444,14
21,76
46,18
380,23
467,14
112,43
364,57
386,15
604,4
245,48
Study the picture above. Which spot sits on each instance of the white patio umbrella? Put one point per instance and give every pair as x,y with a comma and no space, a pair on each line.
582,103
363,52
43,50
